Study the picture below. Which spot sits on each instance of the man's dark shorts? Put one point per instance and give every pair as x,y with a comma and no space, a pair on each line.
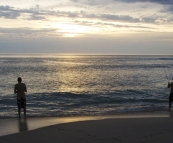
21,102
171,97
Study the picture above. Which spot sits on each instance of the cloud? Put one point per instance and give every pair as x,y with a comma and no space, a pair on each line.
8,12
167,3
27,31
100,2
53,32
123,18
103,24
74,0
164,2
36,17
167,9
5,8
36,13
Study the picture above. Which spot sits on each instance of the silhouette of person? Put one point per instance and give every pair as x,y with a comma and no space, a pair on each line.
20,89
170,85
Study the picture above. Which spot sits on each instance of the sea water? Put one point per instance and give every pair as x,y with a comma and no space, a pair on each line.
79,85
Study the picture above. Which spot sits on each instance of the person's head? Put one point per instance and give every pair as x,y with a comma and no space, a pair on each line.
19,79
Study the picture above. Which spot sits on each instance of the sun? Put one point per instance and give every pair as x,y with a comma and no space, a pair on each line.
71,30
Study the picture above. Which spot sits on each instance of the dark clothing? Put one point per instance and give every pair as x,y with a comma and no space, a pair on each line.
171,97
21,102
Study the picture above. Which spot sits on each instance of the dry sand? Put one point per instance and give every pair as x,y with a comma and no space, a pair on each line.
141,128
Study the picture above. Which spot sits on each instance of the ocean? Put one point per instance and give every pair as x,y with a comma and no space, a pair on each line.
84,85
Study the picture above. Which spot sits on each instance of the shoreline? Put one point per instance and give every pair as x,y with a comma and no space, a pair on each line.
140,128
14,125
155,127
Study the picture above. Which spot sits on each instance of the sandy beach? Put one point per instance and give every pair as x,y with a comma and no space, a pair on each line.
138,128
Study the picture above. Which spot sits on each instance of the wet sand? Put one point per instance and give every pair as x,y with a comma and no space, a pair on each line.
137,128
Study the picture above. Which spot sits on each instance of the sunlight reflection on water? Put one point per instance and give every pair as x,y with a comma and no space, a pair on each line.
86,84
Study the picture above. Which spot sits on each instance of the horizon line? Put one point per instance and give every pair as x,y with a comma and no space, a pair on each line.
83,54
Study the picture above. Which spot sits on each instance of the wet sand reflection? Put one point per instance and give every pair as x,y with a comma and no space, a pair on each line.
22,124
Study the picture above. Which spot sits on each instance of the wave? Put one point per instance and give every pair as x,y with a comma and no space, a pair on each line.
71,99
70,104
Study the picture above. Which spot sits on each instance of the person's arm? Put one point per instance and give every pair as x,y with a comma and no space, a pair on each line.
169,85
15,90
25,89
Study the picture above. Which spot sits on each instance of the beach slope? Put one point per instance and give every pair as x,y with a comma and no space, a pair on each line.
125,130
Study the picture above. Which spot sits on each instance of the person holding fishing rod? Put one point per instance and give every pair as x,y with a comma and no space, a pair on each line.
170,85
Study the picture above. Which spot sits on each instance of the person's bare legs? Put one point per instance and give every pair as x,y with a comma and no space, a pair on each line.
19,111
169,105
24,109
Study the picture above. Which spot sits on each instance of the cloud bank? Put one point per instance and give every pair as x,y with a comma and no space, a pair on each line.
83,25
8,12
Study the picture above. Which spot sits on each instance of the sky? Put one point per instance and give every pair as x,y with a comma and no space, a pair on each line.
86,26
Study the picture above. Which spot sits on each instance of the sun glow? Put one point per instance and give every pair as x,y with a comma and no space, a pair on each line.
71,30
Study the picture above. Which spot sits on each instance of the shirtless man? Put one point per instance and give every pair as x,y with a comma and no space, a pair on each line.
20,89
170,85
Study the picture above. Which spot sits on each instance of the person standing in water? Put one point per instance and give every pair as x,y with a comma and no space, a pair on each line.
170,85
20,89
